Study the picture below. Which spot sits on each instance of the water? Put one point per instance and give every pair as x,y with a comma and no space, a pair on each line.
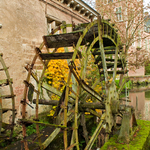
140,100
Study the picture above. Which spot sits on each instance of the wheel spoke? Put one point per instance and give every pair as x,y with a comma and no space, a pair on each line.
115,63
102,49
95,134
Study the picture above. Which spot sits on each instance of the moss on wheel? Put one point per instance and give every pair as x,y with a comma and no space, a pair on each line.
140,140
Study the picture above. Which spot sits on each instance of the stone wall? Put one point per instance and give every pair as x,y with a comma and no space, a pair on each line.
23,25
137,72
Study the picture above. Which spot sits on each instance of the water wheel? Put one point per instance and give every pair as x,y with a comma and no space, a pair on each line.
101,40
6,85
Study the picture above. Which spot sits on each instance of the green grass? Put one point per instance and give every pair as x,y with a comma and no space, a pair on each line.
138,141
128,84
147,69
32,128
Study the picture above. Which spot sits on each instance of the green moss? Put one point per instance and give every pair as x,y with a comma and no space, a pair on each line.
141,83
138,142
128,84
147,69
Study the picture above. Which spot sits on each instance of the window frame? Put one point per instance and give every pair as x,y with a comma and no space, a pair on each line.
118,13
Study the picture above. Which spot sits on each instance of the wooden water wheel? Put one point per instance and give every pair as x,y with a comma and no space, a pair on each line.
6,82
103,42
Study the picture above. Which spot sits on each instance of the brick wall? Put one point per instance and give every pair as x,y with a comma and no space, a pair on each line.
23,25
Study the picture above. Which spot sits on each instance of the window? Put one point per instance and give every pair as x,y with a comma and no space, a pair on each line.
48,28
145,28
52,23
107,1
149,45
110,1
118,14
146,48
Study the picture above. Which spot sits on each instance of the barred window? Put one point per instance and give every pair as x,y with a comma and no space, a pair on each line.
118,14
145,28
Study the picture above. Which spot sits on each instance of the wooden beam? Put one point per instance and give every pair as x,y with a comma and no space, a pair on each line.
49,56
118,72
3,69
95,105
24,121
7,96
70,39
107,59
54,90
5,82
84,85
62,40
106,52
110,65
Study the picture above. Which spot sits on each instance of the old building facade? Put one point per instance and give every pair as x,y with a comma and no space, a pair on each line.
128,18
22,25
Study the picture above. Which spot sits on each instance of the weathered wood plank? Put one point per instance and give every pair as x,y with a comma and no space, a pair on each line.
53,90
24,121
66,55
117,72
110,65
95,105
106,48
62,40
106,52
7,96
46,102
107,59
70,39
